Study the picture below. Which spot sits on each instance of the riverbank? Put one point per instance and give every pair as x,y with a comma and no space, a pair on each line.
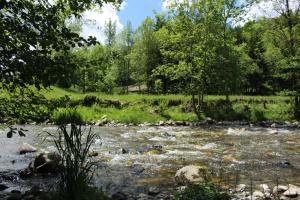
139,109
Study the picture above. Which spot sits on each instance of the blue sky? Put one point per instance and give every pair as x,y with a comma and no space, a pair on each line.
137,10
131,10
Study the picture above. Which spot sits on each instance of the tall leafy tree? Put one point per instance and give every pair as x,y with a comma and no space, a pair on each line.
145,54
189,44
286,36
31,32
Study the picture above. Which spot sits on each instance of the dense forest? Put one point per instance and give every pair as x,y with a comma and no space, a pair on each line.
194,48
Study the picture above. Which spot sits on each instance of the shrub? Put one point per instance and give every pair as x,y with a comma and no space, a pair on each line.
203,191
76,170
65,116
257,115
89,100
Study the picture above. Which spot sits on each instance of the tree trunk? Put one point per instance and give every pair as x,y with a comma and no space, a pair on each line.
196,111
297,107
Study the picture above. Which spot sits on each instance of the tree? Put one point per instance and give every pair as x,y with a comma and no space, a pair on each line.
31,32
145,54
124,68
110,31
189,44
286,36
229,68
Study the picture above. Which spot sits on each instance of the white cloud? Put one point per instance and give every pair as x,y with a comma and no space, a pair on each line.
94,21
266,8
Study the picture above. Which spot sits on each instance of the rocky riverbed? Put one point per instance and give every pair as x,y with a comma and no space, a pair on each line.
141,162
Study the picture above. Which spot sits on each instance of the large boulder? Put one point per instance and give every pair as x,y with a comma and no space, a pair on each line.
47,162
27,148
190,174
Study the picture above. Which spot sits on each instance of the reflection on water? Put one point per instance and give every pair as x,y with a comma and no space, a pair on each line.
155,153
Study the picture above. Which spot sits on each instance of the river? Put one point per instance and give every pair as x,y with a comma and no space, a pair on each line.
132,159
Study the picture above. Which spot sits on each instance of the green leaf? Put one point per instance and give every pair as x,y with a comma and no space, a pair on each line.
21,134
9,134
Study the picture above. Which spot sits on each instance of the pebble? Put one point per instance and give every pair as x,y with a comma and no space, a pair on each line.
137,169
264,188
144,197
240,188
258,195
153,191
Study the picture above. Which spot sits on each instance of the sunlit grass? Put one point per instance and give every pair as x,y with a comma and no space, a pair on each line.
139,108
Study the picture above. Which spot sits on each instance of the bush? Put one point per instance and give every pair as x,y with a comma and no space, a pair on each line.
64,116
203,191
257,115
89,100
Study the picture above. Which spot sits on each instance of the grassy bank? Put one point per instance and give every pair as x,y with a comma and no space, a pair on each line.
137,109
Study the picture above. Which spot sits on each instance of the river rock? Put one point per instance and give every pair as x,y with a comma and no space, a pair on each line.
27,148
47,162
144,197
285,164
155,149
137,169
264,188
292,191
190,174
258,195
240,188
102,122
161,123
274,125
209,120
280,189
296,124
180,123
153,191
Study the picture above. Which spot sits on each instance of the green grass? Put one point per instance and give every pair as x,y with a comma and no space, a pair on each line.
153,108
128,115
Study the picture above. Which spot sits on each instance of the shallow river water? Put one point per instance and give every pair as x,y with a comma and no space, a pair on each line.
151,155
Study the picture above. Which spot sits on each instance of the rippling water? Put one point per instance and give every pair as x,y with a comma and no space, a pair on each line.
265,155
